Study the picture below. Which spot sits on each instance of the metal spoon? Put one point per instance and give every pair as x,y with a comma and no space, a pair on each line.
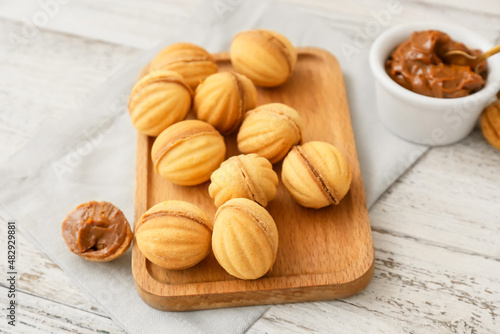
463,58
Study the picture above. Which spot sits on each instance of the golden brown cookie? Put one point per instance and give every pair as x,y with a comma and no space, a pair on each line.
174,234
270,130
191,61
264,56
97,231
188,152
490,124
159,100
244,176
245,238
223,98
316,174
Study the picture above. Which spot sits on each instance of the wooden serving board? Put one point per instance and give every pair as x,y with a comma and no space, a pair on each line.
322,254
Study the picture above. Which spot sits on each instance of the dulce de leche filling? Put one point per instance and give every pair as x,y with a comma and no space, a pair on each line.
95,229
417,64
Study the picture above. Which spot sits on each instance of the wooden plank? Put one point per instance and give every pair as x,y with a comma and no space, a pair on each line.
416,288
47,299
49,78
352,17
138,24
322,254
111,19
362,7
40,315
450,198
38,275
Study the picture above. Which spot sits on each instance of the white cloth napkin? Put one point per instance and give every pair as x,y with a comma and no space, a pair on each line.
91,156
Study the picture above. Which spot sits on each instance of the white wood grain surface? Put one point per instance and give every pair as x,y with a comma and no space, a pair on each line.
436,230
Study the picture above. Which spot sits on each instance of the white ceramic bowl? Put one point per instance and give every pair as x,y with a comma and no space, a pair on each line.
422,119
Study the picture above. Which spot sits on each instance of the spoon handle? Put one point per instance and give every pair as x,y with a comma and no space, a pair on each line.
485,55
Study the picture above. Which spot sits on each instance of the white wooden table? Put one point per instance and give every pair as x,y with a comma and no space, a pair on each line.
436,230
